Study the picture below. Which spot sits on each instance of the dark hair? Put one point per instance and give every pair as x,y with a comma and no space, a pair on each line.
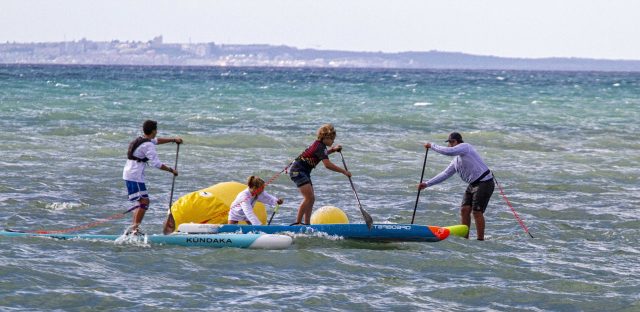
148,126
455,136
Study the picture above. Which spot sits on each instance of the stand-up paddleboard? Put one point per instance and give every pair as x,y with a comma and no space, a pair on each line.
253,241
378,232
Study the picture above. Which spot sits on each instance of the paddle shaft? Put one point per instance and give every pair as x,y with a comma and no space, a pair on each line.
365,214
273,214
424,164
173,183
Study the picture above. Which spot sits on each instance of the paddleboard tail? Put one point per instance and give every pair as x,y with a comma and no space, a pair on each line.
459,230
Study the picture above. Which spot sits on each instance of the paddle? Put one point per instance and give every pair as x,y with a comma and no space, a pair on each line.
173,183
365,214
424,164
273,214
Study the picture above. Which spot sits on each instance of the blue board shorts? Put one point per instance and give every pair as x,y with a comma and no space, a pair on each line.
136,190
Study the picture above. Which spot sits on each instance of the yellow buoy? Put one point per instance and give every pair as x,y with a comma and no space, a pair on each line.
329,215
211,205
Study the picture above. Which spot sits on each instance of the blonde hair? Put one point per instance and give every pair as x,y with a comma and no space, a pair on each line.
326,131
255,183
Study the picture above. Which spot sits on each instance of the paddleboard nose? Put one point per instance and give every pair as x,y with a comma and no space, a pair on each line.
459,230
272,241
440,232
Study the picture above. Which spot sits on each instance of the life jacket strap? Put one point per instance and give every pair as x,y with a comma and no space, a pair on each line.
134,145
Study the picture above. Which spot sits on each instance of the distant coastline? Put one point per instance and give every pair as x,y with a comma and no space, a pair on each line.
156,52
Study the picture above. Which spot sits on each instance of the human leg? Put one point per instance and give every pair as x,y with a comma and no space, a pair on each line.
465,208
478,217
465,217
481,196
137,192
138,214
306,206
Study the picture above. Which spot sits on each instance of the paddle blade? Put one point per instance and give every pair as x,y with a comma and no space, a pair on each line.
459,230
367,218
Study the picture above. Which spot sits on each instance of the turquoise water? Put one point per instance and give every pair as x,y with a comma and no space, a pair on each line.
562,144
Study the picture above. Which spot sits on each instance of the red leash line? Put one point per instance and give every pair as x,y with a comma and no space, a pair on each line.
515,214
83,227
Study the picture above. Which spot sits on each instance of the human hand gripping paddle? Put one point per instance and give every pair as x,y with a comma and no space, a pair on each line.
365,214
424,164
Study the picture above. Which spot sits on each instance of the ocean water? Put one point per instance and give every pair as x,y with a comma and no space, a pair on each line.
562,144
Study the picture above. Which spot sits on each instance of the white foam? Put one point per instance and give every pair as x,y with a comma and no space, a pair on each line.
63,206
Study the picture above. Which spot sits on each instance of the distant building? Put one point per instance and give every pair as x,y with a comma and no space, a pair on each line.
156,52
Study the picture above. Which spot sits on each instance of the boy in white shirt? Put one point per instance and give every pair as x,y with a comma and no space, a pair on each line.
142,151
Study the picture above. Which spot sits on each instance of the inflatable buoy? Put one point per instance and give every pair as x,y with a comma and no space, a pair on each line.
211,205
329,215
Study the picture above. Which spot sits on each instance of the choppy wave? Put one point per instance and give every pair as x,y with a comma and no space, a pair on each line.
562,145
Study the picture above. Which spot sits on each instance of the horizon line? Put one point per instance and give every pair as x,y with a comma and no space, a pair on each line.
335,50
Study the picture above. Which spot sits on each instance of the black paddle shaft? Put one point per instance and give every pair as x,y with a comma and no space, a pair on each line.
424,164
273,214
173,183
365,214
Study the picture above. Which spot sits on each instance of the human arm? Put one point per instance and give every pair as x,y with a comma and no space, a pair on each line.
445,174
459,149
169,169
331,166
269,199
149,151
247,209
169,140
337,148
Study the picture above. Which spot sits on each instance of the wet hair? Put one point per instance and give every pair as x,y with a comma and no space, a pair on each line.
255,183
148,126
326,131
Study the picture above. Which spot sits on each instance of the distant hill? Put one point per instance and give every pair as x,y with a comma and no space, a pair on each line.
155,52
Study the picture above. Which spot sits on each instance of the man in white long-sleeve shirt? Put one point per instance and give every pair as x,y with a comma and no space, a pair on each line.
472,169
142,151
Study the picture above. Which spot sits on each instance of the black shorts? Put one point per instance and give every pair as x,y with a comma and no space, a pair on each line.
300,175
477,196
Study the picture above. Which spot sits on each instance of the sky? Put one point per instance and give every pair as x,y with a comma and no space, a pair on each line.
602,29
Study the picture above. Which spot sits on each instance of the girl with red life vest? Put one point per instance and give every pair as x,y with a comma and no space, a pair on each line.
300,170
